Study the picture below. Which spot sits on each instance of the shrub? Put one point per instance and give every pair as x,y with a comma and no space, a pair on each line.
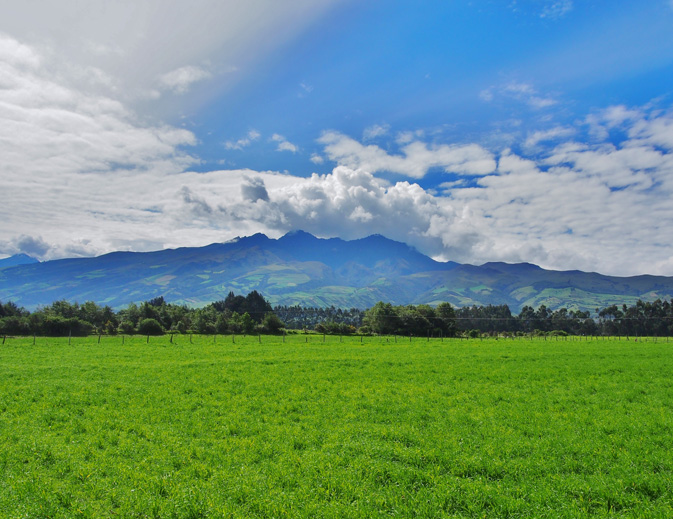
272,324
150,326
126,327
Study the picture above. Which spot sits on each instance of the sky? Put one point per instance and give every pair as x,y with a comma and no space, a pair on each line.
533,131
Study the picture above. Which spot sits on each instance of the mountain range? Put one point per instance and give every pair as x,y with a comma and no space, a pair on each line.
300,269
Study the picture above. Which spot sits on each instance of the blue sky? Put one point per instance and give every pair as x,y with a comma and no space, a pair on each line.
527,130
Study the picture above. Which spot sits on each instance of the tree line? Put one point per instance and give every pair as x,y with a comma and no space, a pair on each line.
235,314
654,319
642,319
250,314
321,319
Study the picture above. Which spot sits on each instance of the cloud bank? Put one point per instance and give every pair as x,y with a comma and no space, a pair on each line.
84,173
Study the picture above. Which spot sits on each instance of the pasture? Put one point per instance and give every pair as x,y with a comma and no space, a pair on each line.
335,429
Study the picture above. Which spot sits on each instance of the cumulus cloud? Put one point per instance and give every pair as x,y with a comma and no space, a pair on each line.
417,158
284,144
253,189
354,203
602,207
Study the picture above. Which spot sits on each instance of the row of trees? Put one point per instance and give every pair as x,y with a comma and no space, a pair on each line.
253,314
386,319
642,319
315,318
235,314
494,319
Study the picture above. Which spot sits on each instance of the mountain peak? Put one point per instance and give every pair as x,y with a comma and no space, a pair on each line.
297,235
17,259
256,239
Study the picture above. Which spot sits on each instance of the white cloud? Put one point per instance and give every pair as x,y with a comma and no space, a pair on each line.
558,132
284,144
374,131
589,207
518,91
408,136
137,42
317,159
243,142
181,79
416,160
338,204
526,93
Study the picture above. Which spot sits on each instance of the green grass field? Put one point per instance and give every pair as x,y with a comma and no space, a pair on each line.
508,428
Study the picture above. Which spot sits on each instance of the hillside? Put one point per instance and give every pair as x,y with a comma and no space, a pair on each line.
300,269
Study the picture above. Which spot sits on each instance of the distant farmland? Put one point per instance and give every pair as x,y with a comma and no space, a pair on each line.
306,426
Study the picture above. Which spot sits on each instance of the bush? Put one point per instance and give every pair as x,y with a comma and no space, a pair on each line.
126,328
272,324
150,326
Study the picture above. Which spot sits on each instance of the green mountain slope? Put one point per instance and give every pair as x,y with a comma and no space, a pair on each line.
300,269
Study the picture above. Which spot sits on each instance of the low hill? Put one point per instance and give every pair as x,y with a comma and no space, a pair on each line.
300,269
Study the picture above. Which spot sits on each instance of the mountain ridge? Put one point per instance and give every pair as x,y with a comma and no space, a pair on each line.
299,268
